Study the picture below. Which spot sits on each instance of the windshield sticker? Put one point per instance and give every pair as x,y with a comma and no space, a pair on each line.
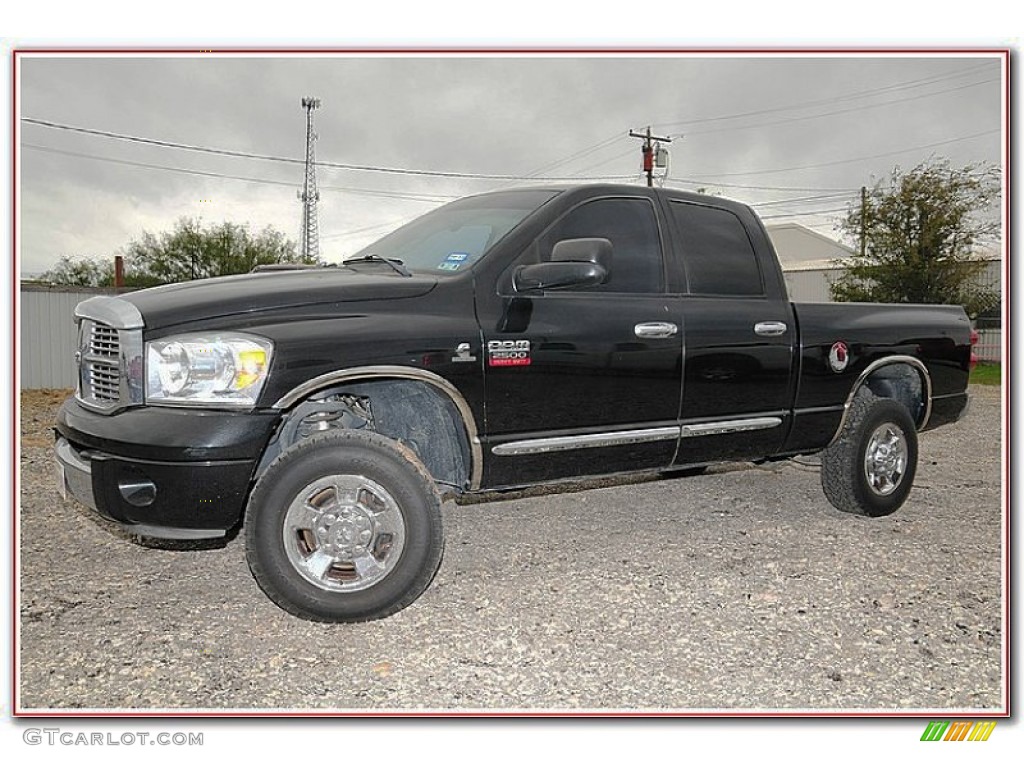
453,261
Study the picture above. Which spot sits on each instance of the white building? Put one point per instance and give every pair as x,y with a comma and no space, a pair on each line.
809,265
797,245
809,262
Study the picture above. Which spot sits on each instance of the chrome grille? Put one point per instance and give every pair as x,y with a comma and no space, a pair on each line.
104,340
101,363
106,382
109,356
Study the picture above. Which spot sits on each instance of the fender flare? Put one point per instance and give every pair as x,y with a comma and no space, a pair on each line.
364,373
913,362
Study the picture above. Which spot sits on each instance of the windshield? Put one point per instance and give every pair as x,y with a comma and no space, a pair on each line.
451,238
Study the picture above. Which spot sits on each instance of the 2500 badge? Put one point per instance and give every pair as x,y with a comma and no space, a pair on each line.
505,353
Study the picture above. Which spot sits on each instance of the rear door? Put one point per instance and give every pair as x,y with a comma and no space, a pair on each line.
739,337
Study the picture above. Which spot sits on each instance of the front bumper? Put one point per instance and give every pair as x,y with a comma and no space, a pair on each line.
74,476
139,468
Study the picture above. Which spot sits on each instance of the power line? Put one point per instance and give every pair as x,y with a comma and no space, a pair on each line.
577,155
788,120
859,159
699,182
251,179
191,172
705,183
806,199
832,99
862,108
802,213
360,230
294,160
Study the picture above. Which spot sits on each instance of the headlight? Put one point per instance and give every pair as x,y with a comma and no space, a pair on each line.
207,369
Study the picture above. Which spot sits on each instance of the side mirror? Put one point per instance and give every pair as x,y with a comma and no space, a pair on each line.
596,250
582,262
557,276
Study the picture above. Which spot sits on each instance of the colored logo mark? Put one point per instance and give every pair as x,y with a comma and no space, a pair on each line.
958,730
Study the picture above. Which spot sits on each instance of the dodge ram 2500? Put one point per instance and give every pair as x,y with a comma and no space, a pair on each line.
504,340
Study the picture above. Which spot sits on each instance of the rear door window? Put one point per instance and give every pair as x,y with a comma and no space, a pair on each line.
718,255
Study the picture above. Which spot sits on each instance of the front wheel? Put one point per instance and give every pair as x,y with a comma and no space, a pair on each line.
870,469
344,526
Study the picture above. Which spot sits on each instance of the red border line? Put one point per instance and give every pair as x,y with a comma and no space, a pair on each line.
15,393
1007,384
499,51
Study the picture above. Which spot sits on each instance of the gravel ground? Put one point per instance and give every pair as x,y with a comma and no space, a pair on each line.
736,589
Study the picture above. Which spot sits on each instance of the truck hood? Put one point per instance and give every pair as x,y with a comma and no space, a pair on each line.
241,294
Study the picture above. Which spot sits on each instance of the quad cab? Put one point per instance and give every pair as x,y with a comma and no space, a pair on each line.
501,341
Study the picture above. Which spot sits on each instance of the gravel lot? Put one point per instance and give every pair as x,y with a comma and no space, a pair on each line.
737,589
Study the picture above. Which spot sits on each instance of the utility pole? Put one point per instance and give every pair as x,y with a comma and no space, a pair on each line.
863,221
309,238
648,151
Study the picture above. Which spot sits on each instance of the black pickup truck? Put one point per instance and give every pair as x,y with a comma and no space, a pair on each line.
504,340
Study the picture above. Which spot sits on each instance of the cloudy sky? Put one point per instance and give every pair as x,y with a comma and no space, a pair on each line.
794,134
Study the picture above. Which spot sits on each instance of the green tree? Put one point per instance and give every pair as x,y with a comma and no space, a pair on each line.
920,229
80,271
188,251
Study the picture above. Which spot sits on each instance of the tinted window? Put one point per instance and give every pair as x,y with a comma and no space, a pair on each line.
631,227
718,255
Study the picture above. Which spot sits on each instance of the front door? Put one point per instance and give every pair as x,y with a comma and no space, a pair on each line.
584,382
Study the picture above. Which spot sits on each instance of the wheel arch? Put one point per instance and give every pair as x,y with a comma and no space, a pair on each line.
391,384
878,377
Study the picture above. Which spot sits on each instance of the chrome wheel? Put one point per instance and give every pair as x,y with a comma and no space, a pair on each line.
344,533
885,460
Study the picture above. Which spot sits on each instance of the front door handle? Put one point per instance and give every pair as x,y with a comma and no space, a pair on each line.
770,329
655,330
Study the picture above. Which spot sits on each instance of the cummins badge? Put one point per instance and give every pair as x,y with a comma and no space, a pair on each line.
464,353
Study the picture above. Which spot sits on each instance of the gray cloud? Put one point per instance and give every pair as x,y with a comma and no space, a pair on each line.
475,114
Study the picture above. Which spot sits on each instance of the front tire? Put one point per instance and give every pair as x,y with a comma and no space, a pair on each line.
343,527
870,469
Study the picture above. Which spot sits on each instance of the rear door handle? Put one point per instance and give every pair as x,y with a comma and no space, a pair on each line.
655,330
770,329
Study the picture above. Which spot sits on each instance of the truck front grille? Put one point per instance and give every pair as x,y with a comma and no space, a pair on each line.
104,382
101,364
109,356
104,340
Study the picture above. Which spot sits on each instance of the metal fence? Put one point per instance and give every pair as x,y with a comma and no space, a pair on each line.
48,334
989,348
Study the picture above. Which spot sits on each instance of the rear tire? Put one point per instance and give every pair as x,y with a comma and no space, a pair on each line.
344,527
869,470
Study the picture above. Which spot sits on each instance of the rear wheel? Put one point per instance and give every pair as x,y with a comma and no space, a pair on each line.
870,469
344,526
